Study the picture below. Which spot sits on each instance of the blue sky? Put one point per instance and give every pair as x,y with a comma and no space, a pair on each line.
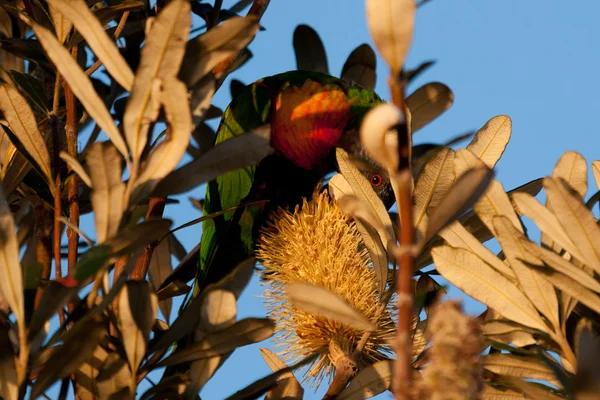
532,60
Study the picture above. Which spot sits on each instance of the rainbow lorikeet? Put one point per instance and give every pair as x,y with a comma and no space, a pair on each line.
310,114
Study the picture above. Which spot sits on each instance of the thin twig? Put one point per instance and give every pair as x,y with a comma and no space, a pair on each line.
402,383
54,124
43,244
116,35
213,19
155,210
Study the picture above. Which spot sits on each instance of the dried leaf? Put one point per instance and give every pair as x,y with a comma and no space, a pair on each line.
427,103
433,184
562,265
467,190
126,240
310,53
62,26
90,28
508,332
107,195
374,134
32,88
204,52
238,152
495,201
137,308
546,221
235,282
369,382
529,367
315,299
480,281
259,387
532,390
491,140
81,85
367,196
532,283
77,167
586,384
161,58
391,25
241,333
114,378
572,288
78,345
360,67
11,283
24,126
596,171
54,297
288,386
160,268
501,393
573,169
165,157
9,388
576,219
457,236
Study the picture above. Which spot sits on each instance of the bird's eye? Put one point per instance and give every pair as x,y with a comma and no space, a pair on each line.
376,180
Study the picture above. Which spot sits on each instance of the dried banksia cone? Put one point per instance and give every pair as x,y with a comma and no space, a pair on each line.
320,245
454,370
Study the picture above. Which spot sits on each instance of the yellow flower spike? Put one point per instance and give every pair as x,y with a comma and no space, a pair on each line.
319,244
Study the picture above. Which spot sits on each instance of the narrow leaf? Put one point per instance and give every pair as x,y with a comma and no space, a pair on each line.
360,67
77,167
528,367
78,344
33,88
365,193
238,152
369,382
596,171
374,134
508,332
23,124
288,386
391,25
491,140
432,186
464,193
62,26
161,57
204,52
165,157
11,283
572,167
576,219
532,283
9,388
572,288
81,85
546,221
242,333
315,299
309,49
160,268
137,308
427,103
107,196
78,13
457,236
480,281
494,202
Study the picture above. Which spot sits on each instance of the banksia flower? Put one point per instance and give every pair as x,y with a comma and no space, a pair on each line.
454,370
319,244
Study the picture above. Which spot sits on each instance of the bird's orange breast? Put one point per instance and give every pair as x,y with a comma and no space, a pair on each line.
308,122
